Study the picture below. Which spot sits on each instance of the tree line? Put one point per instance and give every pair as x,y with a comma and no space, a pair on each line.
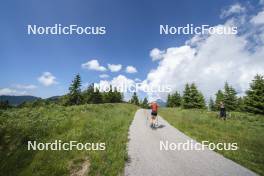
191,98
253,101
75,96
135,100
89,96
4,104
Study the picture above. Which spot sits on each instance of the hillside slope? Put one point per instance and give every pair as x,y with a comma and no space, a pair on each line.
17,100
104,123
247,130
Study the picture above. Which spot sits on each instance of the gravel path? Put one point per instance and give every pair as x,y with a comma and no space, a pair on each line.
147,159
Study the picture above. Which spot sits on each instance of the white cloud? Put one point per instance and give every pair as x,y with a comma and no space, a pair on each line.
47,79
156,54
114,68
93,65
131,69
258,19
137,79
104,76
9,91
26,86
233,9
120,81
217,58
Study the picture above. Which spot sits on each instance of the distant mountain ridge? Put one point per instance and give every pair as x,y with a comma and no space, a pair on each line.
17,100
161,103
54,98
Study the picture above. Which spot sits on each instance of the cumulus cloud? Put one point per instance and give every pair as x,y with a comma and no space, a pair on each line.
104,76
26,86
258,19
131,69
93,65
119,81
47,79
114,68
215,60
156,54
9,91
233,9
137,80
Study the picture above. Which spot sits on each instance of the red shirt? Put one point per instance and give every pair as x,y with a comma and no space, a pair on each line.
154,107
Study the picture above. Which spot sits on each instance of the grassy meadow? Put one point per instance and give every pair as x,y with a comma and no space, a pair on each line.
107,123
245,129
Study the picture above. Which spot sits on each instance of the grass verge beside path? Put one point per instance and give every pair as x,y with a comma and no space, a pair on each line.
245,129
107,123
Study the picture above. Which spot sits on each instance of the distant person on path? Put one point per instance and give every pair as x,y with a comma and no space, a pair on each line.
222,111
154,112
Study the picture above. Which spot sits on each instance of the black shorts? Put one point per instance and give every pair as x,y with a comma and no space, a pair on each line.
153,113
222,112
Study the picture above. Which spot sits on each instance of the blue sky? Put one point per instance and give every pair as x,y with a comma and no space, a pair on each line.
132,32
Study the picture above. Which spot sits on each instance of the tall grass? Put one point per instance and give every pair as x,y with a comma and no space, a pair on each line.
108,123
245,129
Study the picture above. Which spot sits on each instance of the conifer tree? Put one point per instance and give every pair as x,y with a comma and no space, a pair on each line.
74,96
144,103
211,104
92,95
169,103
96,97
88,93
117,96
219,98
230,98
240,104
134,99
175,100
186,103
254,100
192,98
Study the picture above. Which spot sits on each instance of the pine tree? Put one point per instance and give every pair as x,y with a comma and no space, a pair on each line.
219,98
230,98
117,96
192,98
92,95
176,99
144,104
201,101
74,96
96,97
113,96
240,104
254,100
211,104
169,103
134,99
186,103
